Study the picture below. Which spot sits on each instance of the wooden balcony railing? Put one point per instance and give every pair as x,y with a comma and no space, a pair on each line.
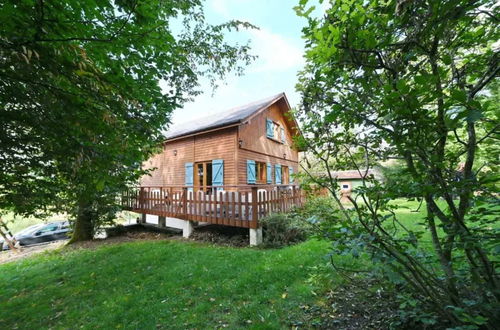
239,206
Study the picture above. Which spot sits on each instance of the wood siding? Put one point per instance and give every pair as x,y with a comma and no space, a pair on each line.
224,144
245,155
254,138
204,147
258,147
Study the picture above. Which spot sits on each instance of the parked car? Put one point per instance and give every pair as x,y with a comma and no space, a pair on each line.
41,233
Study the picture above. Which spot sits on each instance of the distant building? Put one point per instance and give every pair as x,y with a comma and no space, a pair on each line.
348,181
351,179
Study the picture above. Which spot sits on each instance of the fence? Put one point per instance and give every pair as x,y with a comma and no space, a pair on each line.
239,206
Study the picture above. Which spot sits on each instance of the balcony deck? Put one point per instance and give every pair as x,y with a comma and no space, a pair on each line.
238,206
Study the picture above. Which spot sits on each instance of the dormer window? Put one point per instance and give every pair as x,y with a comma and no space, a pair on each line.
275,131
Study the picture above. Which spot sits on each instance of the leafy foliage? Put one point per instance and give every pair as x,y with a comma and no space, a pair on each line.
394,175
81,105
282,229
413,81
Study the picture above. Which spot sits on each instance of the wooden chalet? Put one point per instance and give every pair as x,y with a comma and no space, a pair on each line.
230,168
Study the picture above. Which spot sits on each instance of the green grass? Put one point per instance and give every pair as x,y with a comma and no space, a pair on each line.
174,284
168,284
411,215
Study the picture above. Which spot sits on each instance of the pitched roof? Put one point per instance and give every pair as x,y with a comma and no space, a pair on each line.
355,174
350,174
221,119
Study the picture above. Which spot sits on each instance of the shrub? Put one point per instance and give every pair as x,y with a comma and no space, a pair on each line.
282,229
422,88
317,209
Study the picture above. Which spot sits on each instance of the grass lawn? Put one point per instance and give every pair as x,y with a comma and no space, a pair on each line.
165,284
176,284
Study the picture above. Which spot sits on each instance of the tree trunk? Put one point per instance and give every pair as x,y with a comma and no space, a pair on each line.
84,229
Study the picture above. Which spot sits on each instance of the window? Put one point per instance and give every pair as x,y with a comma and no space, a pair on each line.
49,228
275,131
345,186
261,172
285,175
203,176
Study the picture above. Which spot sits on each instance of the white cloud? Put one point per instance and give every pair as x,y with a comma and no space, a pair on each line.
274,71
326,5
220,7
226,96
276,53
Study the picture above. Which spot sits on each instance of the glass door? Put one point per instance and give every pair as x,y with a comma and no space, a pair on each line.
203,176
285,175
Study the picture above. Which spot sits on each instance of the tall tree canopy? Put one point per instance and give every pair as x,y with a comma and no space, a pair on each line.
415,81
81,105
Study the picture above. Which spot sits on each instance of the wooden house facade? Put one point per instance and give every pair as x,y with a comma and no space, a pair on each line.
230,168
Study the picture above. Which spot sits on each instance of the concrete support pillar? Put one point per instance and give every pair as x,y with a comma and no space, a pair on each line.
188,229
255,236
143,219
161,222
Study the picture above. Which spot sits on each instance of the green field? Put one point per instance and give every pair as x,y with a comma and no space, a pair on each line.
165,284
173,284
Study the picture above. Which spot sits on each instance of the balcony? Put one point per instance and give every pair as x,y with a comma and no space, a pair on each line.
238,206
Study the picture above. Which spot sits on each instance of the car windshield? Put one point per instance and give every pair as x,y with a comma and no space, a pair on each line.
30,229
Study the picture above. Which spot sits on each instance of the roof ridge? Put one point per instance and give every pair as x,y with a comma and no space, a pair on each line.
221,118
234,109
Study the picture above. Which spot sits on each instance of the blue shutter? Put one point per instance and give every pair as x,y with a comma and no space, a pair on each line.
189,175
282,130
290,170
277,173
218,172
269,128
251,171
269,173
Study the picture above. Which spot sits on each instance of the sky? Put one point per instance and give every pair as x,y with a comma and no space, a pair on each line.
278,45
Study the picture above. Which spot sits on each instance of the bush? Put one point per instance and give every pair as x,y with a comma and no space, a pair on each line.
317,209
282,229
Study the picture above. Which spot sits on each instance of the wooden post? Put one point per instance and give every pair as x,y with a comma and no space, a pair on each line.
184,202
161,200
141,198
255,212
137,196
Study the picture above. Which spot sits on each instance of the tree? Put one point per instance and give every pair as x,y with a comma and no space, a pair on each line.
81,102
412,80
